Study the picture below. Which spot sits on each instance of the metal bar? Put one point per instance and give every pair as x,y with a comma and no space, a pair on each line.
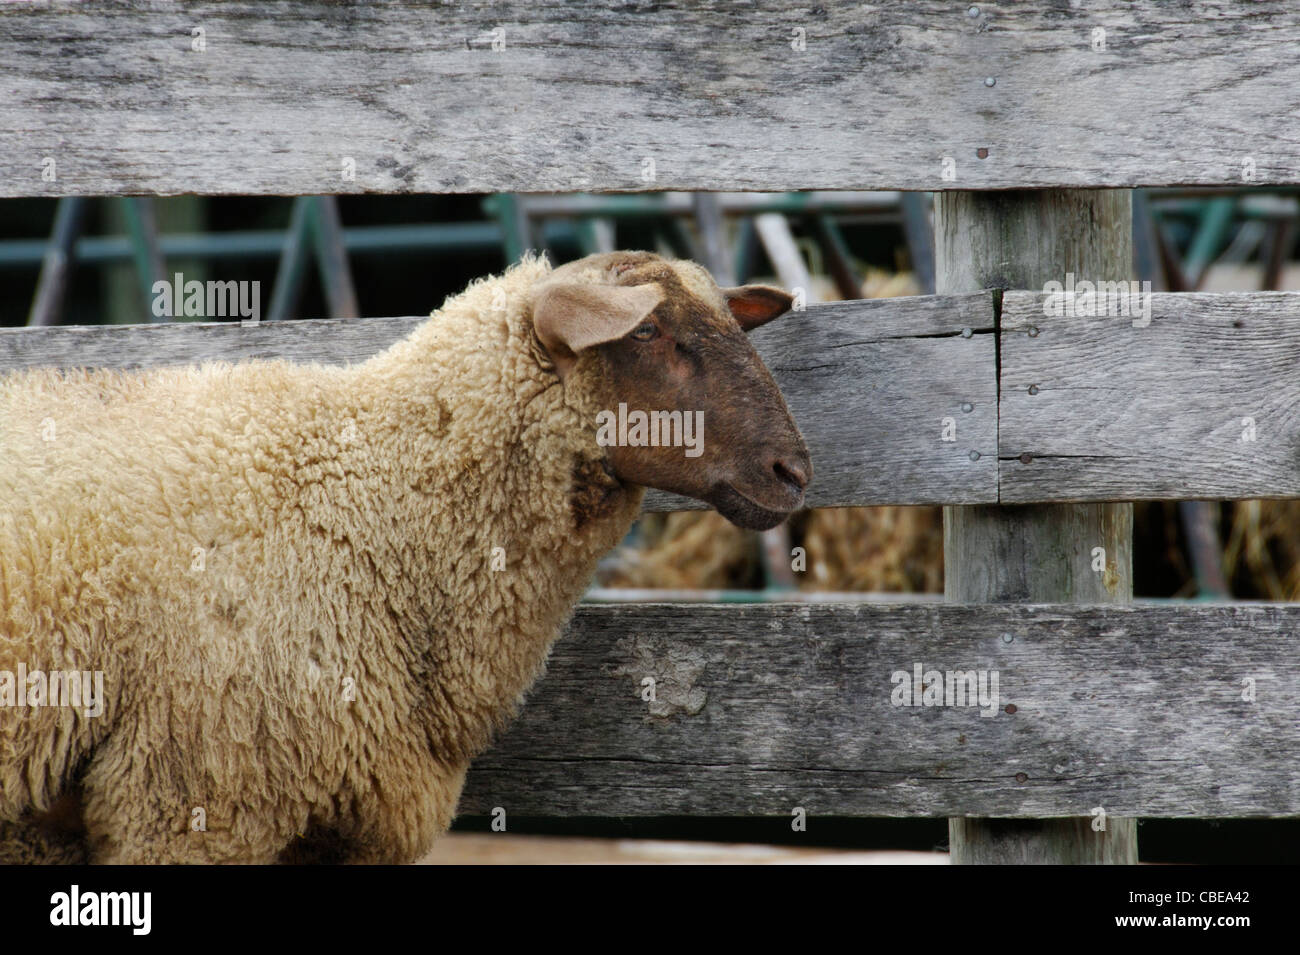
332,259
433,237
713,238
1201,192
774,232
747,249
839,260
683,203
1200,520
919,231
1250,234
150,266
293,261
60,254
1170,266
1280,240
516,229
1215,220
1146,245
1249,207
596,234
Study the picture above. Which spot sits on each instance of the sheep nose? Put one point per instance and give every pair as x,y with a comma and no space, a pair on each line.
792,471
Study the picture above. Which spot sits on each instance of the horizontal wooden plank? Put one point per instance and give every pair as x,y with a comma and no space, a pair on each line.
1197,399
869,382
313,96
762,708
1155,406
128,347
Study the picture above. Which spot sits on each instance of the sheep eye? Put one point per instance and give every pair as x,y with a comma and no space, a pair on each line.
645,331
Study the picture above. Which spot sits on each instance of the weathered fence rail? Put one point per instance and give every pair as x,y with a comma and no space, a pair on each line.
319,97
870,383
760,708
1200,398
1197,399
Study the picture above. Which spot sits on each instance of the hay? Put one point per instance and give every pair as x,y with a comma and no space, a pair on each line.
1261,554
876,549
686,550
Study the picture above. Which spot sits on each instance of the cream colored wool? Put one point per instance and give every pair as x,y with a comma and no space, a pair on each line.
241,548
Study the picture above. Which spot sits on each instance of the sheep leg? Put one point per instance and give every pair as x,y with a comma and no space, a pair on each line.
401,826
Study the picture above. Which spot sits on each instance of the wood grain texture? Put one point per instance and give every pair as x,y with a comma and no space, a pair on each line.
762,708
1108,411
868,382
130,347
1048,553
579,96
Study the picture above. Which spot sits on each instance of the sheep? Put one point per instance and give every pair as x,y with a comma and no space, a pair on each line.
315,593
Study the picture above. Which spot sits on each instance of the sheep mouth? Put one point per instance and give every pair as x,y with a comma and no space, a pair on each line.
744,511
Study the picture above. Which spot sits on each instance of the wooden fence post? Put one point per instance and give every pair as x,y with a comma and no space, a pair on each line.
1022,239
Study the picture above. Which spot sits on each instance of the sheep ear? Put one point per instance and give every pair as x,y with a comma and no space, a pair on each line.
755,305
571,316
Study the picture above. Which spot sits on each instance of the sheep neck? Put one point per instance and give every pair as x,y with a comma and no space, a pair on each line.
503,506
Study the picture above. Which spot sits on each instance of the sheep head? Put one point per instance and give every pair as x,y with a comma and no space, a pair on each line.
686,404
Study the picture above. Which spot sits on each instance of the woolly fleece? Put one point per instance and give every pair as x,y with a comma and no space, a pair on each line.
242,548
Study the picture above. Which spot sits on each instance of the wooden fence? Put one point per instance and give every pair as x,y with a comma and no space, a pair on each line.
253,97
1140,711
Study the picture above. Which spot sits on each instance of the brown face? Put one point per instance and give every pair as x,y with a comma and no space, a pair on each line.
712,424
